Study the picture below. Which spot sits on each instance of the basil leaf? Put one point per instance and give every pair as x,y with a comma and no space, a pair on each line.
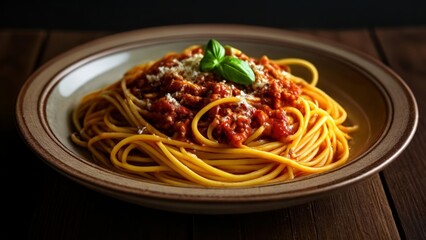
236,70
230,68
208,62
213,54
216,49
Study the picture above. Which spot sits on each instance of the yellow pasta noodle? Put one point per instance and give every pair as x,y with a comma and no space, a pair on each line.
168,121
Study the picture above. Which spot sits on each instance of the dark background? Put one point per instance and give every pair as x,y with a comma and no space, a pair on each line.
124,15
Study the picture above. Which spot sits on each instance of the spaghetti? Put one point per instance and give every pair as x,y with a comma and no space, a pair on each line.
167,121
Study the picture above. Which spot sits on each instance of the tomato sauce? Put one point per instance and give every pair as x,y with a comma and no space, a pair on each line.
174,90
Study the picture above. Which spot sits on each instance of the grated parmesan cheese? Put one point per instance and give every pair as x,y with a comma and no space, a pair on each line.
261,80
188,68
172,99
243,100
286,74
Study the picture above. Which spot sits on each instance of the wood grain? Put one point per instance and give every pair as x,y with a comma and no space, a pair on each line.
405,52
367,198
79,213
19,51
63,209
358,212
59,42
18,55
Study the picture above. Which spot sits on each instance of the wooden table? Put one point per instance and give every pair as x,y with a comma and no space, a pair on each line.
43,204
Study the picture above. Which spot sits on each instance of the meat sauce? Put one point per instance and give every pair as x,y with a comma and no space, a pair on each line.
174,90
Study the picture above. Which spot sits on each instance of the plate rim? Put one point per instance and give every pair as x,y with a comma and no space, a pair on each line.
208,195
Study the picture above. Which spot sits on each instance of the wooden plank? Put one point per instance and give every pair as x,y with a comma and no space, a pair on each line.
363,211
68,40
360,211
19,51
67,210
357,212
18,55
405,52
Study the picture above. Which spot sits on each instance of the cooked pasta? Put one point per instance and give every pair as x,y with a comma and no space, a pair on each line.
167,121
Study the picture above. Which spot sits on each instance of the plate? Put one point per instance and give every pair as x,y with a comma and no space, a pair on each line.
374,96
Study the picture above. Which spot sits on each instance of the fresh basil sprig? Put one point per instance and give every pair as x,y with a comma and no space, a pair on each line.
230,68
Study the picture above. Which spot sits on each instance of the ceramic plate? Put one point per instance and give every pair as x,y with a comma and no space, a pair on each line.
374,96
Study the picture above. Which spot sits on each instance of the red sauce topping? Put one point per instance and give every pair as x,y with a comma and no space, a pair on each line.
174,90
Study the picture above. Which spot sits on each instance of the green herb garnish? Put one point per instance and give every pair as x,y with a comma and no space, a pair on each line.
230,68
